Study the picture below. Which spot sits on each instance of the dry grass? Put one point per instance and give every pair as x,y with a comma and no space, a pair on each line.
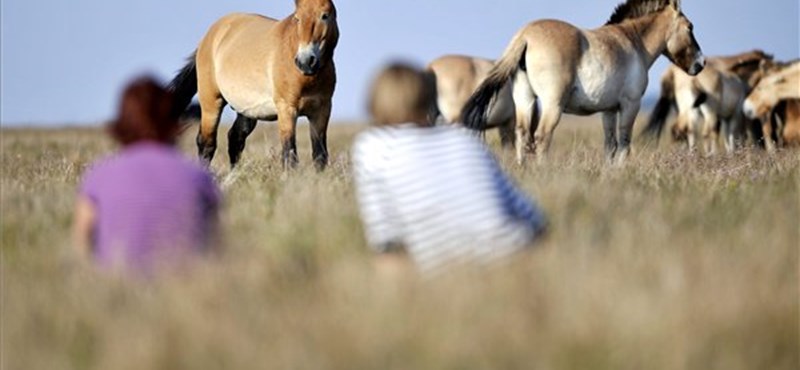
673,262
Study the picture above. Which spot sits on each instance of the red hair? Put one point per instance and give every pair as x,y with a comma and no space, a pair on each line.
145,114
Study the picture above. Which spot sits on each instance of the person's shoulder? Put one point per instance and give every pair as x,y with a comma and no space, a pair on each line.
171,155
459,134
457,130
173,158
193,166
98,173
102,165
374,139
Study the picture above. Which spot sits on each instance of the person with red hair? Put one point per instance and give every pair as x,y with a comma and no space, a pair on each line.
147,205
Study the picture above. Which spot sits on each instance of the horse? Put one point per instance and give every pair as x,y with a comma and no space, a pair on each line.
265,69
786,116
570,70
712,99
710,103
779,83
457,77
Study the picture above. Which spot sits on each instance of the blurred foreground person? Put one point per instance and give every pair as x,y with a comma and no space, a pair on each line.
434,193
147,206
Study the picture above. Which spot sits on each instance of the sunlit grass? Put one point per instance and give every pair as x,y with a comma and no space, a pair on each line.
673,261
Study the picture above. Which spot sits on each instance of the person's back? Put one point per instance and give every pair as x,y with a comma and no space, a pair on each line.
152,204
147,206
450,199
435,192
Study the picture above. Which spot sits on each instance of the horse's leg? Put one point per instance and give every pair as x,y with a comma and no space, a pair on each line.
237,136
551,114
525,112
692,120
319,139
610,131
780,129
766,128
287,125
507,134
211,105
737,138
627,117
709,130
729,131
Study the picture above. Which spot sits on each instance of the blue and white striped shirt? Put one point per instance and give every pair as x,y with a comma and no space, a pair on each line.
439,193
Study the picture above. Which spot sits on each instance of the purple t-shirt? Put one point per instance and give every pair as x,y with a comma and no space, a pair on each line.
152,205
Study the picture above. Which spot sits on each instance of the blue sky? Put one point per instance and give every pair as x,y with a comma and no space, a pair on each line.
63,62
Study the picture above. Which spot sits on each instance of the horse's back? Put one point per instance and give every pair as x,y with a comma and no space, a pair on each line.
235,30
233,58
553,42
456,79
455,71
593,68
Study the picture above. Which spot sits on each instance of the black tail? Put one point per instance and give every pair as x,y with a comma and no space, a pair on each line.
474,114
184,86
655,124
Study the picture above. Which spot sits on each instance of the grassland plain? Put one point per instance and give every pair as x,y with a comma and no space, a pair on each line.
671,262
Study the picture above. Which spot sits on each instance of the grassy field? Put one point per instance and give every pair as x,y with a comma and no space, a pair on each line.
671,262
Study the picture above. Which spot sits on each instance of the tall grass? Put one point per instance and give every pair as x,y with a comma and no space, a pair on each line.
671,262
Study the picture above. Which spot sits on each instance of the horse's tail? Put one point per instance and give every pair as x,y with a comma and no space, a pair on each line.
655,124
184,85
434,111
474,113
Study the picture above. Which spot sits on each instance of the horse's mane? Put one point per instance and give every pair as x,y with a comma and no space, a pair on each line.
636,8
778,66
753,57
788,63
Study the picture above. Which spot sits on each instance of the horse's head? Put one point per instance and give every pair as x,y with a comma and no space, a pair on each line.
764,68
317,34
776,85
753,67
682,48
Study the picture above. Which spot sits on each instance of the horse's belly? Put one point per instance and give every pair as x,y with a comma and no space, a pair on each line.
265,111
599,89
250,103
585,101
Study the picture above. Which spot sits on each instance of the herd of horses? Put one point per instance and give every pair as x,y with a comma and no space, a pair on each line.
268,69
715,102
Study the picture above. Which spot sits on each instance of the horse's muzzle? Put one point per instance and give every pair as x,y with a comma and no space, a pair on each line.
697,66
749,110
308,64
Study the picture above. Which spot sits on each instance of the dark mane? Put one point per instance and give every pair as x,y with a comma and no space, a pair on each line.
788,63
636,8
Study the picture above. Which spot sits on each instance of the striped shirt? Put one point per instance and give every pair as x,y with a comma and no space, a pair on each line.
441,195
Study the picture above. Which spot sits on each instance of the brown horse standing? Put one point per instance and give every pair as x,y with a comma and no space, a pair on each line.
571,70
265,69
